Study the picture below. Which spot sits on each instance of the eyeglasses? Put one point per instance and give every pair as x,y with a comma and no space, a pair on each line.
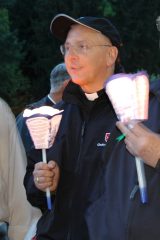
79,48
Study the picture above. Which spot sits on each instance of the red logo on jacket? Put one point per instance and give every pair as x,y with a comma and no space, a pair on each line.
107,135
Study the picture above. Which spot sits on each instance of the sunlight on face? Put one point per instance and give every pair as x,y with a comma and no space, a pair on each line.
87,68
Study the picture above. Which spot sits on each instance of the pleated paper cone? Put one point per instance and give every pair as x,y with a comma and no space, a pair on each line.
43,124
119,89
39,128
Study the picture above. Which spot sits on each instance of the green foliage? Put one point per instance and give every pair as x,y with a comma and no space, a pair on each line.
137,24
107,9
12,82
33,21
6,3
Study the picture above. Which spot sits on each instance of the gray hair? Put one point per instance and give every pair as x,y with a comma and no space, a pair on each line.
58,75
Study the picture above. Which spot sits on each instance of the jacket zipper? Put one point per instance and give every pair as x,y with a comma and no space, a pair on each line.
76,170
80,149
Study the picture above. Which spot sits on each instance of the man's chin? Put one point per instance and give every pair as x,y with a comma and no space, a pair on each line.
77,81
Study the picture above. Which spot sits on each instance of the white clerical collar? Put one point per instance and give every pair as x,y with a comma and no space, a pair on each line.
91,96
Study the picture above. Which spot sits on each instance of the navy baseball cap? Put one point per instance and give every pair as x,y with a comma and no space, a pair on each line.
61,24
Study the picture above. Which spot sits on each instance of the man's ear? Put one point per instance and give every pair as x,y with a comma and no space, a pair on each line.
111,56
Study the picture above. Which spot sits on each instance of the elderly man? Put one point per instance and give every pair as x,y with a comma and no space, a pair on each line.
97,196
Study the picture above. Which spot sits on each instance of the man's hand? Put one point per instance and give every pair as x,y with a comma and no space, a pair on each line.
46,175
141,142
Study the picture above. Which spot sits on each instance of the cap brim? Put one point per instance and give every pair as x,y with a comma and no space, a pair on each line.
61,24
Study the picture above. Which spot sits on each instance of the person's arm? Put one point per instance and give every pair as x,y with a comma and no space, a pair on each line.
142,142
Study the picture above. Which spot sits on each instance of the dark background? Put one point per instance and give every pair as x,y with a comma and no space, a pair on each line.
28,51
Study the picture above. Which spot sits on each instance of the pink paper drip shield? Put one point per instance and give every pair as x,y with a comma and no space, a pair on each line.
43,124
129,95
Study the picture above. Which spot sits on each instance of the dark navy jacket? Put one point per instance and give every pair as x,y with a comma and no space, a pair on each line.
97,197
